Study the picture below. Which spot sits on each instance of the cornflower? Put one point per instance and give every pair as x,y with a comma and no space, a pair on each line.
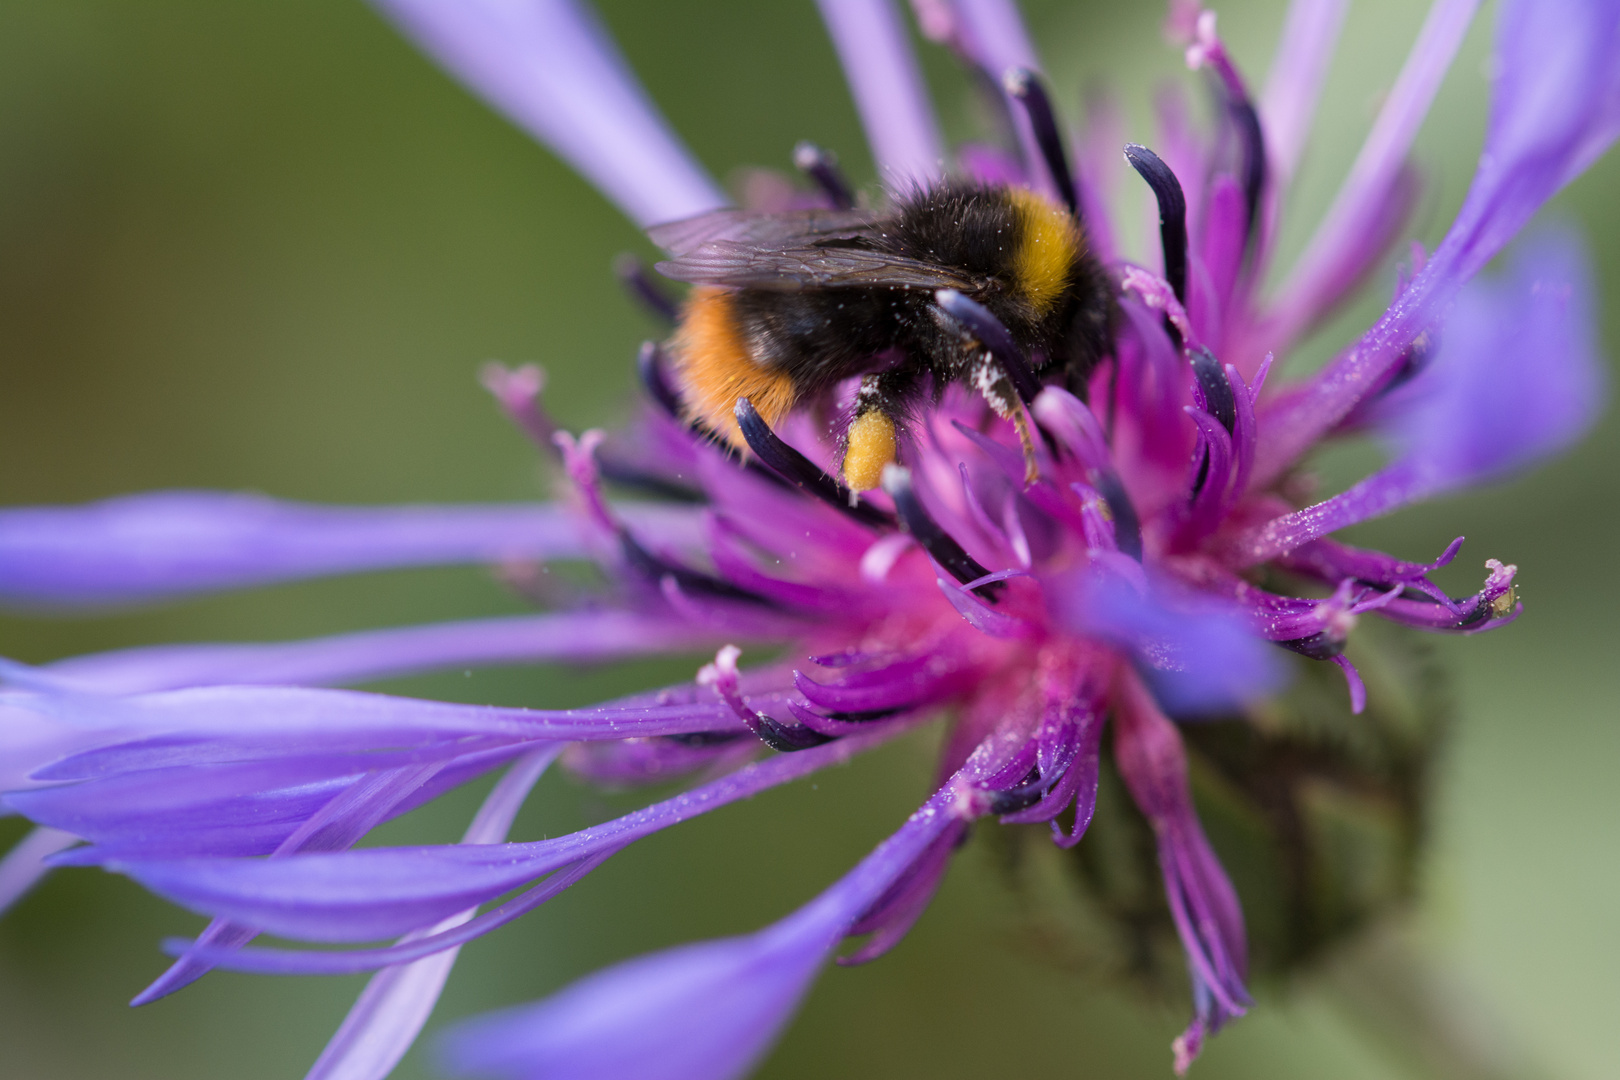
1143,579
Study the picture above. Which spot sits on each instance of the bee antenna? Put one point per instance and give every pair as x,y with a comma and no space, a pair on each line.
1172,213
799,470
821,166
1026,88
939,544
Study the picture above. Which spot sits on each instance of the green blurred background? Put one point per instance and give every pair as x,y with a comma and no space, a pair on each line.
266,246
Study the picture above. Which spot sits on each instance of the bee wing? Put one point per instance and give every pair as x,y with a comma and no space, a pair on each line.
808,266
794,250
754,229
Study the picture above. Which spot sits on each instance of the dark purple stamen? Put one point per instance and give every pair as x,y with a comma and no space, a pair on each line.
1219,401
1412,361
977,323
821,166
650,366
693,582
1025,87
936,541
627,475
1254,163
1127,525
1319,646
1018,798
1172,213
799,470
699,740
632,274
785,738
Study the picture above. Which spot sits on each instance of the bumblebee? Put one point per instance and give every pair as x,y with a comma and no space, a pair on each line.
985,284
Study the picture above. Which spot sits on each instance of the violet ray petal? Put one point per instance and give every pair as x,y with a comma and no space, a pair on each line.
1331,561
706,1011
1494,605
980,615
140,548
582,636
29,741
1203,904
1294,84
657,760
340,824
1201,657
24,865
912,686
888,88
1087,768
1372,178
243,808
1352,678
396,1003
410,948
897,911
1555,106
991,34
636,1019
1516,378
1072,423
553,70
223,809
350,719
1384,491
369,893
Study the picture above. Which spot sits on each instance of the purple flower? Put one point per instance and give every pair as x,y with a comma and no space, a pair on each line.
1118,589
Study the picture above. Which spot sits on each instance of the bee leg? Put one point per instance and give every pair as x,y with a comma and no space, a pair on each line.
872,438
991,381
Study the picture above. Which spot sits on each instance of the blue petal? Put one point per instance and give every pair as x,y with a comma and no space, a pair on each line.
554,71
149,547
580,636
1200,657
1517,376
700,1012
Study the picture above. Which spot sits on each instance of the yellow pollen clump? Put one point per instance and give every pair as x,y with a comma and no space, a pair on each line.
870,447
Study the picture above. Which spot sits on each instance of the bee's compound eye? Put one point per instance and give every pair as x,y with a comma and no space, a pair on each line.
870,446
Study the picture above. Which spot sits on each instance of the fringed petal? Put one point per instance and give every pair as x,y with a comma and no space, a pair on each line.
383,892
24,865
1321,274
1517,377
1555,108
699,1012
397,1001
582,636
553,70
1153,763
1201,655
1298,69
889,91
141,548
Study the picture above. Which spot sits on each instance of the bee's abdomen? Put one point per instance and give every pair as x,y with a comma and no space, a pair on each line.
714,366
820,336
